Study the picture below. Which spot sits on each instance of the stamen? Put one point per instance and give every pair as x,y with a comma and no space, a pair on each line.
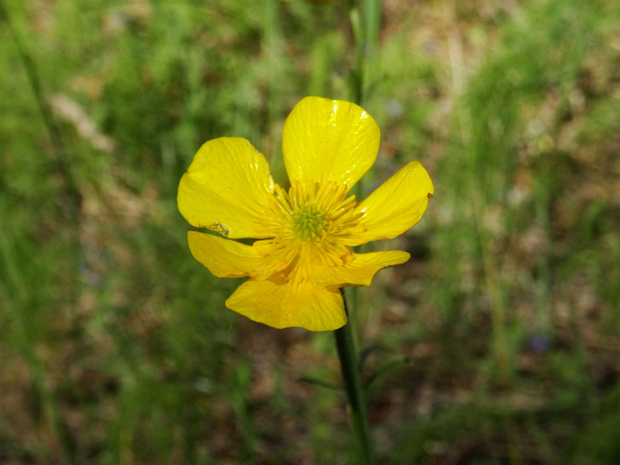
311,225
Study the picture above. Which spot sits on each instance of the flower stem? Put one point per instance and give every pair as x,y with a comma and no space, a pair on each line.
365,29
357,77
365,21
349,364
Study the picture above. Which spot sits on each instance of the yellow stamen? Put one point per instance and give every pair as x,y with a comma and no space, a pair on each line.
311,225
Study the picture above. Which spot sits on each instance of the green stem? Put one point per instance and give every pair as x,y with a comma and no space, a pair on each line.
365,26
372,24
357,89
365,23
349,364
72,192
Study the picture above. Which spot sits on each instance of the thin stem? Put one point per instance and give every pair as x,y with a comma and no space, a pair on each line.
372,24
349,364
72,192
357,88
365,27
365,23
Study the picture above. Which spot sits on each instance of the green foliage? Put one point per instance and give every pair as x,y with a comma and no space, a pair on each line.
116,347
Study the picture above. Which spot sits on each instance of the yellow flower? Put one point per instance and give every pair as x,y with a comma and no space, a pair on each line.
301,255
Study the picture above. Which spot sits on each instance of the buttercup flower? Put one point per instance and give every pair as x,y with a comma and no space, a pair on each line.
301,254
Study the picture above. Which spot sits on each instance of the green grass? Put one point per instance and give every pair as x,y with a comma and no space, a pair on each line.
115,345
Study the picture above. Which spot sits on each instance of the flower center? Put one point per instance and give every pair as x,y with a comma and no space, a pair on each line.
308,223
312,225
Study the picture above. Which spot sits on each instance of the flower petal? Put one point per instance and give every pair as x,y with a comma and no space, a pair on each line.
226,187
226,258
329,140
396,205
360,271
283,305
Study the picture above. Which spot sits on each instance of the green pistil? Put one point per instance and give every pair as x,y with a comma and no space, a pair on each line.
308,223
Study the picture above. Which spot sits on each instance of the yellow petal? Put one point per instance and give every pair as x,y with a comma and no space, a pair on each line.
284,305
329,140
360,271
226,187
226,258
396,205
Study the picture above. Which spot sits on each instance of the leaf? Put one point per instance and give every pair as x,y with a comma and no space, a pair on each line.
392,364
364,354
319,382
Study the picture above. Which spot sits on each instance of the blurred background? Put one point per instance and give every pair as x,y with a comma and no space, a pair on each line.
497,343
